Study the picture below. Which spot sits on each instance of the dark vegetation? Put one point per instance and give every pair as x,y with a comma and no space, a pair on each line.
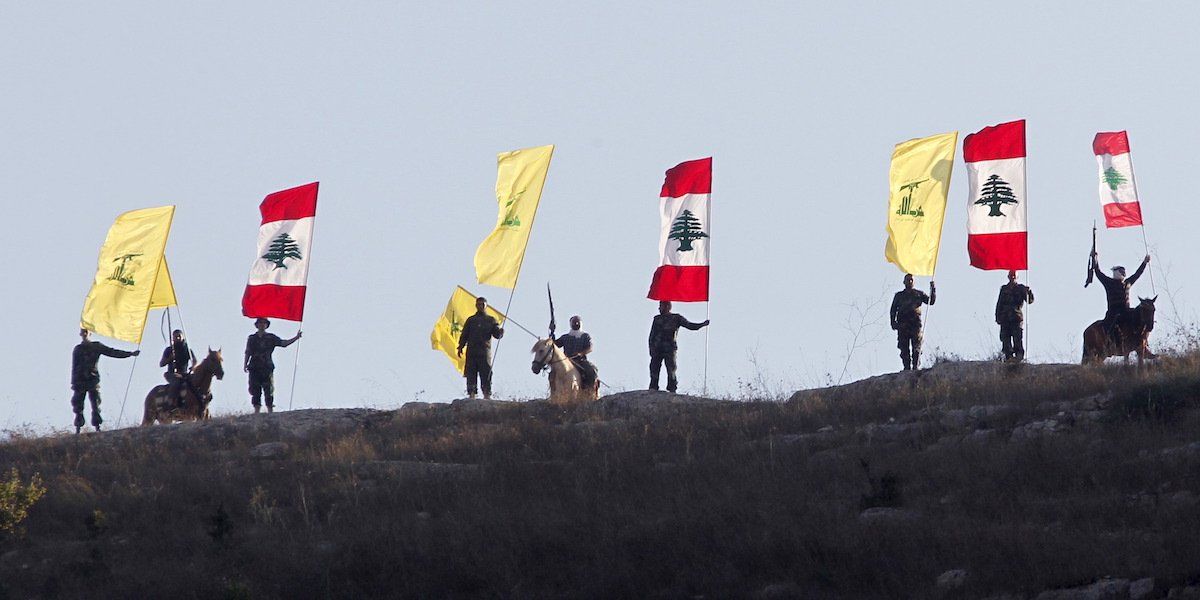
633,497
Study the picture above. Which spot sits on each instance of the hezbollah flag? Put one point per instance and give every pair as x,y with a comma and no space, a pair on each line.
448,327
519,180
920,180
131,275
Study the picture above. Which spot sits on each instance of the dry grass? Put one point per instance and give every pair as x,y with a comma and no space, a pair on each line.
716,500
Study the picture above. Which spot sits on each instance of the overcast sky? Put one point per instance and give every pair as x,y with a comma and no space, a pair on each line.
399,109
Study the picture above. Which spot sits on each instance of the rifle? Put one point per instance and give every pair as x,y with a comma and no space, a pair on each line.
551,299
1091,257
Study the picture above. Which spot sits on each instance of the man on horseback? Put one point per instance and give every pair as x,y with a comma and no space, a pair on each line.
85,377
179,360
577,345
906,320
477,333
663,345
259,364
1116,288
1010,317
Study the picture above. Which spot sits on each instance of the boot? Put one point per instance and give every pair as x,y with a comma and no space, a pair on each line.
916,361
471,395
270,409
257,409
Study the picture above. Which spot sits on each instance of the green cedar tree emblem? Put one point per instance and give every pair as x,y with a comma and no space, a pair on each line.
455,324
123,273
1113,178
906,207
686,229
996,193
510,211
281,249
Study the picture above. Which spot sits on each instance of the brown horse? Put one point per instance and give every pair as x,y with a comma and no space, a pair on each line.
195,394
1135,332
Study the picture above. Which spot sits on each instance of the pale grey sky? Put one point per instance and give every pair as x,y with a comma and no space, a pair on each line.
399,109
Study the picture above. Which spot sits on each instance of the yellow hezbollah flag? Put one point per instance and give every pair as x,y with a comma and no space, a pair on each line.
519,180
920,179
448,327
131,276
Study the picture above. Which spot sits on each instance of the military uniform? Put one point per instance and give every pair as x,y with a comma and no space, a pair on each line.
573,346
1117,293
175,359
85,378
1011,317
261,367
906,320
663,346
476,336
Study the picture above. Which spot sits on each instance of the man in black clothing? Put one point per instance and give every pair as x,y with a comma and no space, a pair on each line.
577,344
1011,318
259,364
179,361
477,334
1116,289
906,321
85,377
663,346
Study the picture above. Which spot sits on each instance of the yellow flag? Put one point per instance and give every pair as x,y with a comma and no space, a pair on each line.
128,275
920,179
519,180
448,327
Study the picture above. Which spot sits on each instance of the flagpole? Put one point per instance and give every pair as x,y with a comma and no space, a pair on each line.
121,416
296,364
707,317
312,235
1146,244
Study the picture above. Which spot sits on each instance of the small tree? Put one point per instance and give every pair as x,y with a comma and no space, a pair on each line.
281,249
686,229
16,498
995,193
1114,178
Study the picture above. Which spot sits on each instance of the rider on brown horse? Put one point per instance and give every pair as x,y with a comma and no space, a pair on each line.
179,360
1117,290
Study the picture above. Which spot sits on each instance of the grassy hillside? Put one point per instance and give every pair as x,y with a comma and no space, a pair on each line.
1028,479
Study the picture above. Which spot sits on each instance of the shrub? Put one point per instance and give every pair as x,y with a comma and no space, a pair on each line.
17,497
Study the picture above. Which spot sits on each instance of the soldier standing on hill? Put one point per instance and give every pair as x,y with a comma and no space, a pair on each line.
906,320
176,359
477,333
1010,317
663,347
259,364
85,377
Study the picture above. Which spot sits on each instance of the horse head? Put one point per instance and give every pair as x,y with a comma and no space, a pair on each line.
214,358
543,351
1145,312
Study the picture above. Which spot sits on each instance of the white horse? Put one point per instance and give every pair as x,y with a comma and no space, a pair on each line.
565,379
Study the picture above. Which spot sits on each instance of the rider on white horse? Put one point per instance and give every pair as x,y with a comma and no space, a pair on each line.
577,345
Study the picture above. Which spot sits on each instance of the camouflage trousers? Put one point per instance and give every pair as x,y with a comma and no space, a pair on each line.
478,368
657,360
93,394
262,383
908,340
1012,340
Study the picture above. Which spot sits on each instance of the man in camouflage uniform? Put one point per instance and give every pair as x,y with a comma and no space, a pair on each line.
179,360
906,320
1116,288
577,344
259,364
1010,317
663,330
477,334
85,377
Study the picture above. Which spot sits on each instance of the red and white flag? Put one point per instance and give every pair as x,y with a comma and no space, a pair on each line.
279,276
1118,192
996,215
683,240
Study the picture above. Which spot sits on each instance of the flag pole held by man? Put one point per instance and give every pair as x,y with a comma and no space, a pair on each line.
278,282
919,181
131,278
682,274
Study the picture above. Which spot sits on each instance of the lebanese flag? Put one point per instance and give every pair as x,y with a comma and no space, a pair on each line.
683,239
279,276
1118,192
996,215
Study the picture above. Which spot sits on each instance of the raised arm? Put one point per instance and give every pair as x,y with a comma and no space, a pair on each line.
690,325
1138,273
1104,279
113,352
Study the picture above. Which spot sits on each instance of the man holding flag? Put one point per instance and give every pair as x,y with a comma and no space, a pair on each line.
85,377
476,337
